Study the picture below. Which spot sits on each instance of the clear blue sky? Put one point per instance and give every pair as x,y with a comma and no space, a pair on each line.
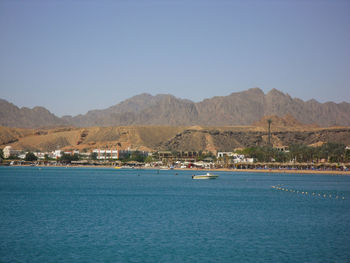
72,56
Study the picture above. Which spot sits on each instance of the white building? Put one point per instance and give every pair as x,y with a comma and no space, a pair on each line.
22,156
56,154
249,160
236,158
8,151
84,155
106,154
40,155
222,154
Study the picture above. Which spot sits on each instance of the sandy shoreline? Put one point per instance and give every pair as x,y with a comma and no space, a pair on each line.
282,171
270,171
285,171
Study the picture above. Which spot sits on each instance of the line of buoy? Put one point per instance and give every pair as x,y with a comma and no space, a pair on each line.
324,195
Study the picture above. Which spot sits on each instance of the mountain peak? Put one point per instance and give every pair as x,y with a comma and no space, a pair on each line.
240,108
275,92
256,89
13,116
145,94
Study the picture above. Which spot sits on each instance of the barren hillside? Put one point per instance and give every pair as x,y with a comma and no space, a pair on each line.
151,138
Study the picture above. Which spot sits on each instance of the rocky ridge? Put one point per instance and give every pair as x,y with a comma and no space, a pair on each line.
239,108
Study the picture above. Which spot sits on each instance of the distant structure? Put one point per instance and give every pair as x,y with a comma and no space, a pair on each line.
9,151
269,121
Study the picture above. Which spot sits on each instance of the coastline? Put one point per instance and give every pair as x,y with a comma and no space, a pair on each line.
286,171
280,171
270,171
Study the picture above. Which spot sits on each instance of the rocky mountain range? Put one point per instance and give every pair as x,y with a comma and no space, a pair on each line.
239,108
12,116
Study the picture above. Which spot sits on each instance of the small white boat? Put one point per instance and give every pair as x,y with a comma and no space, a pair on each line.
205,176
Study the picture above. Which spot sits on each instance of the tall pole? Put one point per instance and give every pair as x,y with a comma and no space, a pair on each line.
269,132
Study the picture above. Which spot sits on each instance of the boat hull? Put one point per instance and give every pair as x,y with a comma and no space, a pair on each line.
204,177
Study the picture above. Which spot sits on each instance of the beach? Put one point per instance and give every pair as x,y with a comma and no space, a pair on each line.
280,171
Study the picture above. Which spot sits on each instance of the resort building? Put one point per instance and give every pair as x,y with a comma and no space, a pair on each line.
9,151
57,154
106,154
235,157
165,155
222,154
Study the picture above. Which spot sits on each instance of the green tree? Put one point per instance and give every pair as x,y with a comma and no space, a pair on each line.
47,157
68,158
261,154
155,156
336,151
125,157
332,152
93,156
137,156
347,155
200,156
300,153
30,157
1,154
148,159
175,154
211,155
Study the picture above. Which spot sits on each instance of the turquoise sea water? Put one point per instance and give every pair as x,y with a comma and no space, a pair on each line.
108,215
